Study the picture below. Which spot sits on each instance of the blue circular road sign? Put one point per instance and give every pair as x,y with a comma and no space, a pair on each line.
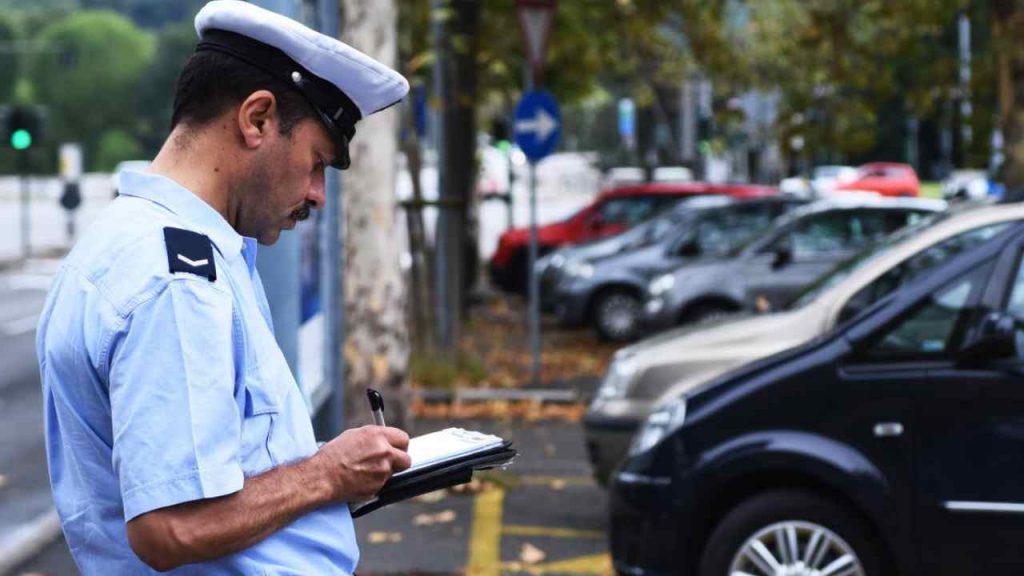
538,125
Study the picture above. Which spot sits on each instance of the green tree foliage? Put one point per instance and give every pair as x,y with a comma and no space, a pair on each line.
115,146
90,80
8,60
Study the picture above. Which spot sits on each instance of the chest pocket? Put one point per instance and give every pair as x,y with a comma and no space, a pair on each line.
261,414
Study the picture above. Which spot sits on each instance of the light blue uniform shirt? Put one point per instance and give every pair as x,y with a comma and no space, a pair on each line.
164,388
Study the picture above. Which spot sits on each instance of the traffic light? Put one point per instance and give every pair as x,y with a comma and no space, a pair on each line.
23,127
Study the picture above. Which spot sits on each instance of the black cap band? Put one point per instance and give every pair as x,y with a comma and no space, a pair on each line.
336,110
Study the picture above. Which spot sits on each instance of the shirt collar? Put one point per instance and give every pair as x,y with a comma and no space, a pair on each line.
184,203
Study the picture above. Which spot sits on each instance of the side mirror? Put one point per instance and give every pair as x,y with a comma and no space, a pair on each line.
994,337
783,254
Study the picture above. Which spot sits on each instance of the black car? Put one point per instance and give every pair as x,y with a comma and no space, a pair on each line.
894,445
606,289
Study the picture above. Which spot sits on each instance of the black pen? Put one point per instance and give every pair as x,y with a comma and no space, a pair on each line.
376,406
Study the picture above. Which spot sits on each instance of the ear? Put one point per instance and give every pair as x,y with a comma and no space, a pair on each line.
257,116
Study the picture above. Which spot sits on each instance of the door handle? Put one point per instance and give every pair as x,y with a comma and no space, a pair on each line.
888,429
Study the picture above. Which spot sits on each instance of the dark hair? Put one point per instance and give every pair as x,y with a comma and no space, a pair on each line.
212,81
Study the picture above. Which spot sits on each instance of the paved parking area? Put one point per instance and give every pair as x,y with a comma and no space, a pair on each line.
544,515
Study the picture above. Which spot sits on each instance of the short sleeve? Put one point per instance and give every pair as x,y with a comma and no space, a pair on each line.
176,421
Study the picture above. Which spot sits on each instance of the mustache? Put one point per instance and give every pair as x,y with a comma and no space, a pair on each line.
303,213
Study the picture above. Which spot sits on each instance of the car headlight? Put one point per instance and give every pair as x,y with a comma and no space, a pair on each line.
661,284
557,261
579,269
662,422
618,379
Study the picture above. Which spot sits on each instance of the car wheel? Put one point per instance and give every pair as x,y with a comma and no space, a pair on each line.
793,533
617,315
706,313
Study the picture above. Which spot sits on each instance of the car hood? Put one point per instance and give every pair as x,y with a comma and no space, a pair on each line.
646,260
681,359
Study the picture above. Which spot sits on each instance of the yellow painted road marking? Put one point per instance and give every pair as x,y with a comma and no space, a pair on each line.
591,564
518,530
485,539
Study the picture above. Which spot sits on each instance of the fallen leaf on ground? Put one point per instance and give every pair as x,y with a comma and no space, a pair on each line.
428,519
3,480
384,537
557,484
430,497
530,554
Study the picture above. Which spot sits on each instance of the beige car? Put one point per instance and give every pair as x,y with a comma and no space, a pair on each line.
671,363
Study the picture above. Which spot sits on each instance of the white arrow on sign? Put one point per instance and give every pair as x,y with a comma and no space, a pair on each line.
542,125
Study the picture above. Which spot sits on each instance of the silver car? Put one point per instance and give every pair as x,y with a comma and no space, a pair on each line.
642,375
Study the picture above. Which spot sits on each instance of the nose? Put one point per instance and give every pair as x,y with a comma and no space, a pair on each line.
317,192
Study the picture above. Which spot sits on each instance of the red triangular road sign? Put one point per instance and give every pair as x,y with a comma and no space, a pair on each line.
535,19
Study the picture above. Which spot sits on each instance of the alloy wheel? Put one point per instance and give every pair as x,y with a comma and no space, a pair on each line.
796,548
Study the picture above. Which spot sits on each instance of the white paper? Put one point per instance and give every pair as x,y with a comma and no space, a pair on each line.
447,444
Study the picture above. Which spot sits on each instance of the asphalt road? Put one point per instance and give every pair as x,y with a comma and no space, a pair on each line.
24,484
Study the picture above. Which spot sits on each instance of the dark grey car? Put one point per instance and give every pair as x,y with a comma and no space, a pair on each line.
606,290
564,262
768,271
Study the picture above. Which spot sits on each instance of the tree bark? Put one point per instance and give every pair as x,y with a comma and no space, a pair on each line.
1007,30
455,26
377,347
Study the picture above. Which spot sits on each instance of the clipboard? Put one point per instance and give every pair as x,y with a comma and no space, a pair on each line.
440,460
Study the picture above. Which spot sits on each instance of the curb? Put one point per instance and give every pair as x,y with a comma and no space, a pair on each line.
28,540
540,395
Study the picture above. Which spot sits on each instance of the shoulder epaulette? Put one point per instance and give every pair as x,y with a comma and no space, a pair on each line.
190,252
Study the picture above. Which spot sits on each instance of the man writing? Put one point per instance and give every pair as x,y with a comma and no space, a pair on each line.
176,436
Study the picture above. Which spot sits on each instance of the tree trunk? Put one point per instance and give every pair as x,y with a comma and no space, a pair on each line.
1007,30
455,25
377,346
420,252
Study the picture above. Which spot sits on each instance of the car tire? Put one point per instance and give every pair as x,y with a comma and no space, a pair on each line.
760,522
616,315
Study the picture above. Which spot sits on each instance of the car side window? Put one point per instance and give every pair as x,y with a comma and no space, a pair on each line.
627,211
822,233
910,268
1015,305
933,329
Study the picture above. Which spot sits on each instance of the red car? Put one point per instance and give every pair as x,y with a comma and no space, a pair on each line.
885,178
612,212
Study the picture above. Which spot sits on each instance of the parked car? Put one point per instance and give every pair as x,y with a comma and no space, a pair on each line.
607,291
553,267
893,445
613,211
885,178
671,363
771,269
822,182
966,185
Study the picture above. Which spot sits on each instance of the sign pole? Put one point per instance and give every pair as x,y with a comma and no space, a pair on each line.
534,281
26,213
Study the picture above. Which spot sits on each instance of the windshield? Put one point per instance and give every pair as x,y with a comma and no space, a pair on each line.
848,266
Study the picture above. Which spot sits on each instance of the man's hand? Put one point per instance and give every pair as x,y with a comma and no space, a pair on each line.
359,461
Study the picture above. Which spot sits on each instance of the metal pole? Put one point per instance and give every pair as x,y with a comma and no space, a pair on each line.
966,111
534,281
26,215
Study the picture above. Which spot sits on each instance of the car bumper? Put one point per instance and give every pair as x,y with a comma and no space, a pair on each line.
649,532
607,439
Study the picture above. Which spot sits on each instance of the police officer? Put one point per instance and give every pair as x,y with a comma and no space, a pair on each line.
176,436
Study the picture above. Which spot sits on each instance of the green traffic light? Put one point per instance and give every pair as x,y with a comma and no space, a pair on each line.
21,139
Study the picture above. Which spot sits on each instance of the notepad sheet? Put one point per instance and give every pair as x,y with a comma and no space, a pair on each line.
447,444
